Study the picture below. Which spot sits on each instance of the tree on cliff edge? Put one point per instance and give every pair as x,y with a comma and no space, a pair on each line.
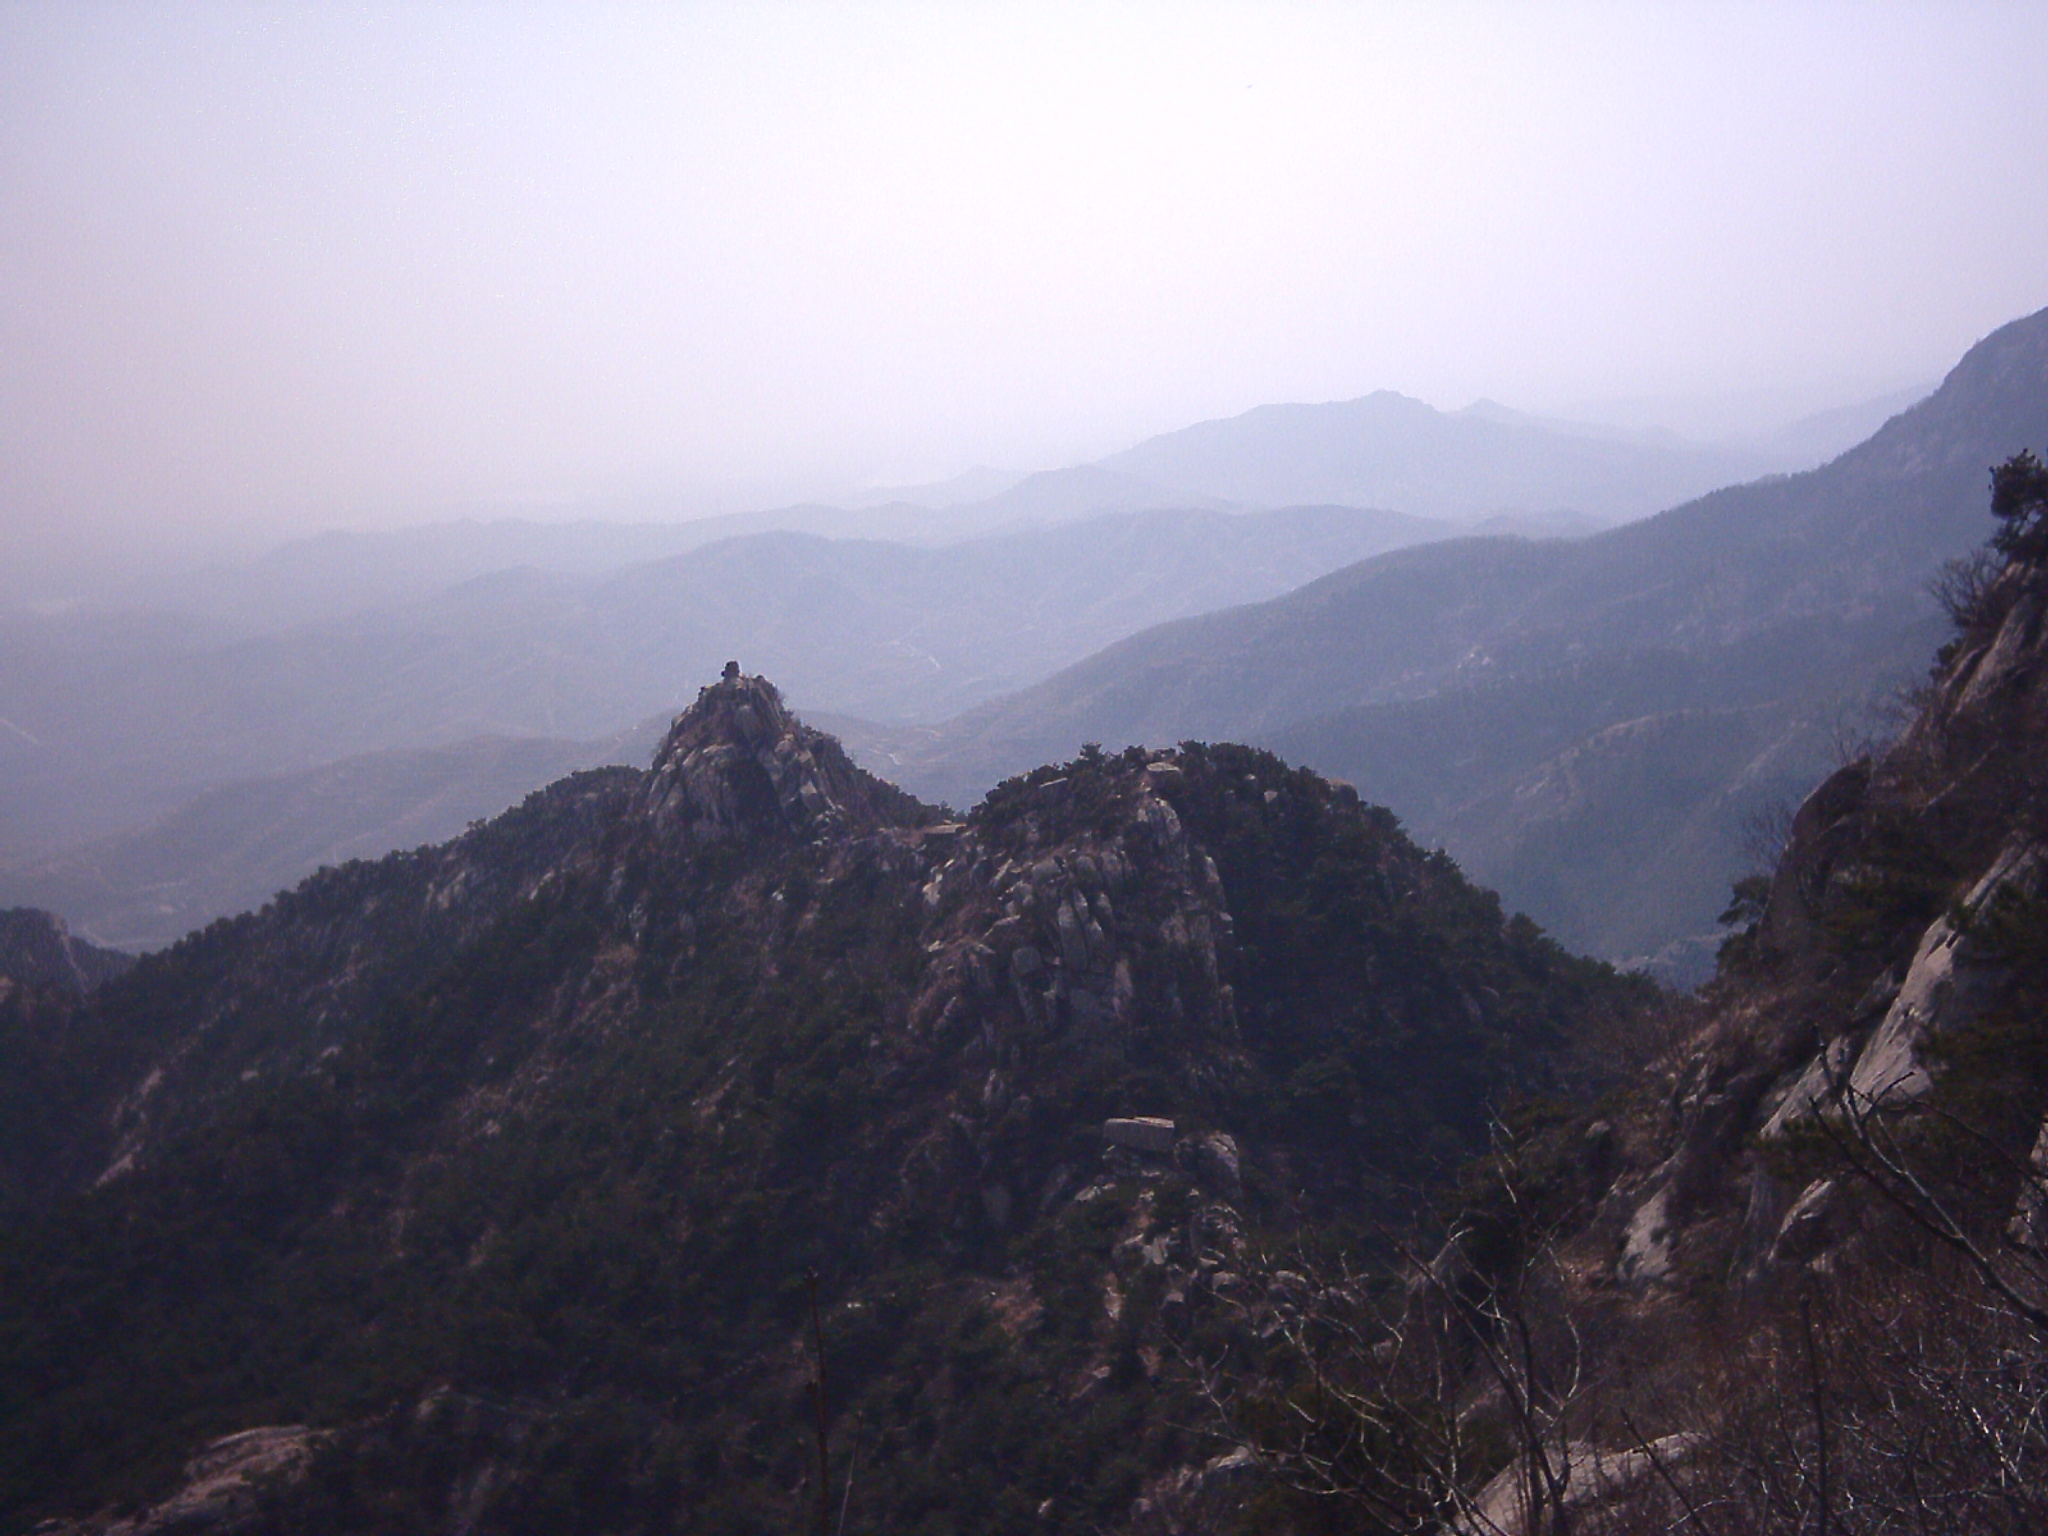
2019,500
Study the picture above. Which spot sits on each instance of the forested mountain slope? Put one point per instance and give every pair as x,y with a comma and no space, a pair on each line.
482,1187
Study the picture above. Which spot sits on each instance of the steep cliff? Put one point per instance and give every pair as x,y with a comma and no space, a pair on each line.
1899,933
1793,1278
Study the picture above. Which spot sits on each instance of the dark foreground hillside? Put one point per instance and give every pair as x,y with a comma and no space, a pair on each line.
509,1185
1795,1278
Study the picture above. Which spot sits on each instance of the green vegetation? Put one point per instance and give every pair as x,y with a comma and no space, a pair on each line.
531,1178
2019,500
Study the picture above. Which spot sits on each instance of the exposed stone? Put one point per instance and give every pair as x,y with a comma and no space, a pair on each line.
1162,826
2029,1227
1944,988
1646,1250
1213,1159
223,1486
738,761
2011,656
1822,1078
1210,1497
1824,826
1141,1134
977,963
1072,936
1813,1221
1588,1473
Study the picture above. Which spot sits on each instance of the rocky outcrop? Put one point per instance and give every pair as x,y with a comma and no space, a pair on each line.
1947,986
1892,934
1824,829
1145,1133
1065,916
737,763
1954,976
1582,1475
38,950
224,1491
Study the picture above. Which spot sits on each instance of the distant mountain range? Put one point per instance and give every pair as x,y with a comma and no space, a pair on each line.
232,848
113,719
1388,450
1487,468
164,763
1476,686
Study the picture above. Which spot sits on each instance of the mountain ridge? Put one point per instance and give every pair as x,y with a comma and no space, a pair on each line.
1390,449
125,716
514,1154
1807,586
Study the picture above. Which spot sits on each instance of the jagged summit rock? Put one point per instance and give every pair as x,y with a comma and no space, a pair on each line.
738,762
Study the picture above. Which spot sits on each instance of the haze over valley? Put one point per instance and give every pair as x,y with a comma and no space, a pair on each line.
389,425
148,727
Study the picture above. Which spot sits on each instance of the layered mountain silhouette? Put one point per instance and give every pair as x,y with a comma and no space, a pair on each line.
1476,685
1483,465
1390,450
112,719
231,849
116,724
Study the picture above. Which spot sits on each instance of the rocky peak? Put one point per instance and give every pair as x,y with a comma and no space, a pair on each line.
1067,888
737,763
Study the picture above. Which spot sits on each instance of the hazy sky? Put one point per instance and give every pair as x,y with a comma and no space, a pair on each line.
270,267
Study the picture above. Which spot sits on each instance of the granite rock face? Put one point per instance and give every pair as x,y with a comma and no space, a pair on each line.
738,763
1946,987
224,1488
1896,929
